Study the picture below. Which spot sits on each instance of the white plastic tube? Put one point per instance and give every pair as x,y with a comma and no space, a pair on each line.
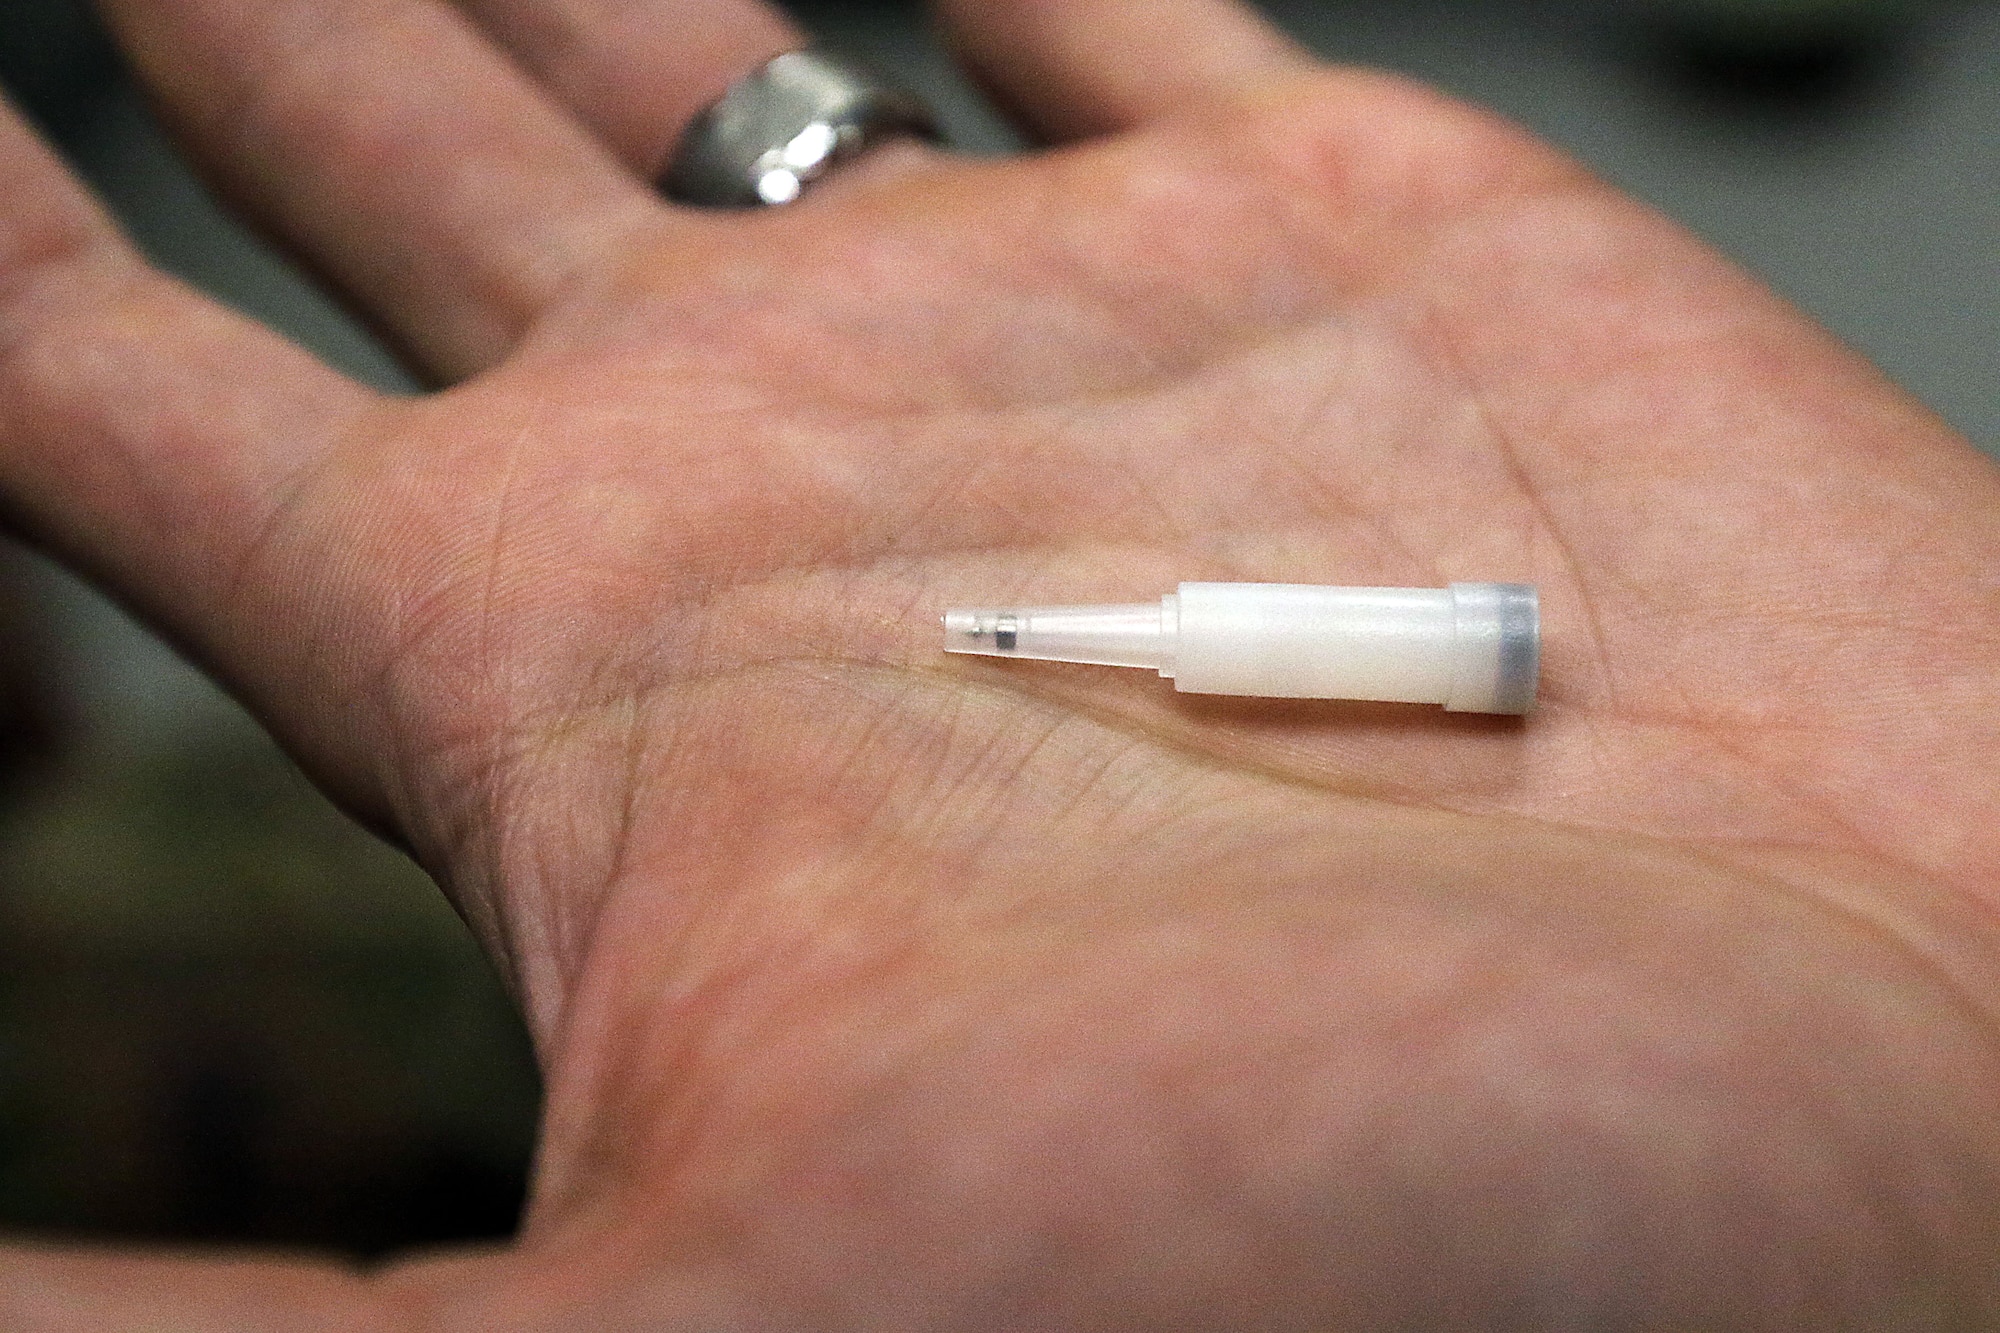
1473,647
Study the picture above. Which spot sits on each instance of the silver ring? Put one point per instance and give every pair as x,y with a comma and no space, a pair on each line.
782,127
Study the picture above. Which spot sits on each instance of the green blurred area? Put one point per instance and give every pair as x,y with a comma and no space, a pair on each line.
227,1013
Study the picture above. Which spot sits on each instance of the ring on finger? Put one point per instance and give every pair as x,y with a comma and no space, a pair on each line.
786,125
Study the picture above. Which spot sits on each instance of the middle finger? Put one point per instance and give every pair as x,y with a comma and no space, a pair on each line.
401,153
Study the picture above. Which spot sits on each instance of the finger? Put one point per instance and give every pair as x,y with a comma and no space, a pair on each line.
60,1291
1073,68
395,148
637,71
457,1289
147,434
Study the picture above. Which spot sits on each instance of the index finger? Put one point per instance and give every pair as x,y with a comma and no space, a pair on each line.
148,435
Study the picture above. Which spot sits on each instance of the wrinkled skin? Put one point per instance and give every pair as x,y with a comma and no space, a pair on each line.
876,989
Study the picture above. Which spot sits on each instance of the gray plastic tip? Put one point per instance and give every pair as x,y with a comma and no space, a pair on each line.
1499,648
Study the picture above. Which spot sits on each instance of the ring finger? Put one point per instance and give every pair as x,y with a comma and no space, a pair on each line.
637,71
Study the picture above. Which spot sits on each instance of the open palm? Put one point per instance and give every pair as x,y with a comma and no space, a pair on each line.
879,989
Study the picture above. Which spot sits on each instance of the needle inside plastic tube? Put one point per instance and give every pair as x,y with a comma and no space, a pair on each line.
1473,647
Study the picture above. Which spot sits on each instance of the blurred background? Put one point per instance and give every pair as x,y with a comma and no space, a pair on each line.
226,1014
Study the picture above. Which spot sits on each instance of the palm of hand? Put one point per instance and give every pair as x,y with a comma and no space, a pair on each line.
695,584
1698,954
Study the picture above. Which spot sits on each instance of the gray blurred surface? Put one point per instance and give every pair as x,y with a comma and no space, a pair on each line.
1877,209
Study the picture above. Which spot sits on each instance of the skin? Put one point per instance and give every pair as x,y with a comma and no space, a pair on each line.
881,990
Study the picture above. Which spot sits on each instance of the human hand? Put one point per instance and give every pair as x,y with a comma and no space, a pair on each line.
882,990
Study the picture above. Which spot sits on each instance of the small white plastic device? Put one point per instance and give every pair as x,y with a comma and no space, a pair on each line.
1473,647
